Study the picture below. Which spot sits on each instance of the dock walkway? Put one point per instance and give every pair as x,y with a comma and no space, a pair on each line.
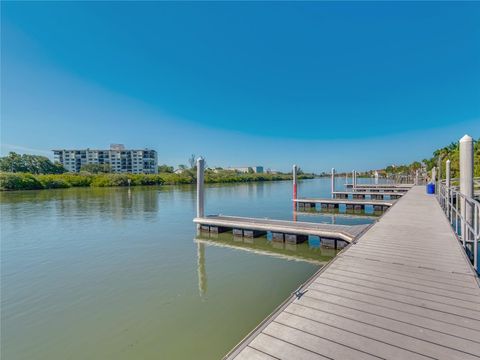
403,290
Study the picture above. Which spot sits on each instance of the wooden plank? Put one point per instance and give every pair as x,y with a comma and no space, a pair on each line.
400,326
402,279
352,339
471,302
380,341
324,300
416,308
316,344
280,349
252,354
443,275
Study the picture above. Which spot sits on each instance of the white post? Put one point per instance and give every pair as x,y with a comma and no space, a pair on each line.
416,177
466,182
376,177
333,181
200,187
447,187
439,169
294,180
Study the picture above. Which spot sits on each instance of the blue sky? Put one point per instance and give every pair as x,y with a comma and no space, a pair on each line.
346,85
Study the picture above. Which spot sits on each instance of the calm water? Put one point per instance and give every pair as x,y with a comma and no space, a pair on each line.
120,274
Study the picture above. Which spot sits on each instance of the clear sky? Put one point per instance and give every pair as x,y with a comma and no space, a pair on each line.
347,85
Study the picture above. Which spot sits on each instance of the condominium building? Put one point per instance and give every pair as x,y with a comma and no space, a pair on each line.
119,159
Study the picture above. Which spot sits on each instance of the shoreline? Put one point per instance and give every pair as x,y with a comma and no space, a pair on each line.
27,181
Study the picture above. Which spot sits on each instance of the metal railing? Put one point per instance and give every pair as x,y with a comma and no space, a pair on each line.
463,214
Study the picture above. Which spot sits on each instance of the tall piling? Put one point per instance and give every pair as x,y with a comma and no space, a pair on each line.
294,180
447,187
333,181
466,181
200,187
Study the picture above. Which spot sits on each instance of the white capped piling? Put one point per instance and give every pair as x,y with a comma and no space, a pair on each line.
200,187
439,169
447,186
466,181
294,180
376,177
333,181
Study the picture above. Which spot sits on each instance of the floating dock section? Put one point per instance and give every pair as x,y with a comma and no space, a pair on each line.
373,195
281,230
306,204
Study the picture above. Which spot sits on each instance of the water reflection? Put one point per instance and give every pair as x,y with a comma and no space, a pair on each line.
310,251
202,274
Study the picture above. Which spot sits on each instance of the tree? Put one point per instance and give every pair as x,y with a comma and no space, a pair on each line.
97,168
165,169
34,164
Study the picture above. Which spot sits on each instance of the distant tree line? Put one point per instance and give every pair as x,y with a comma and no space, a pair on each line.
450,152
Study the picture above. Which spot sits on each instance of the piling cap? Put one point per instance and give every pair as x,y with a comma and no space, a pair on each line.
466,138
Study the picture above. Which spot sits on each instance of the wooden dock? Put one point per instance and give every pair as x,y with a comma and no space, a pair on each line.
282,230
403,290
350,204
374,195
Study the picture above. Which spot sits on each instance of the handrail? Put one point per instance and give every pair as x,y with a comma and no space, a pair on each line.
463,214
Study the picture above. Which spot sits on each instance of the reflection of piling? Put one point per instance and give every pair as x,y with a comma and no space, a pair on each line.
202,274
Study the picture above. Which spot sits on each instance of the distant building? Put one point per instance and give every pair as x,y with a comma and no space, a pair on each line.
245,169
120,159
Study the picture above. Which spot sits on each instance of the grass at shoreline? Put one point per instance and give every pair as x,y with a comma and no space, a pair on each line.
27,181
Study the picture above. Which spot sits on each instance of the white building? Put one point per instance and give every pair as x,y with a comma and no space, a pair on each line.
120,159
245,169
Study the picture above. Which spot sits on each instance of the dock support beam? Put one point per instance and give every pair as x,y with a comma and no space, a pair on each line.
200,188
333,181
466,182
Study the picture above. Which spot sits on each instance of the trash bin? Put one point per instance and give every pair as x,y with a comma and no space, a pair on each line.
431,188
